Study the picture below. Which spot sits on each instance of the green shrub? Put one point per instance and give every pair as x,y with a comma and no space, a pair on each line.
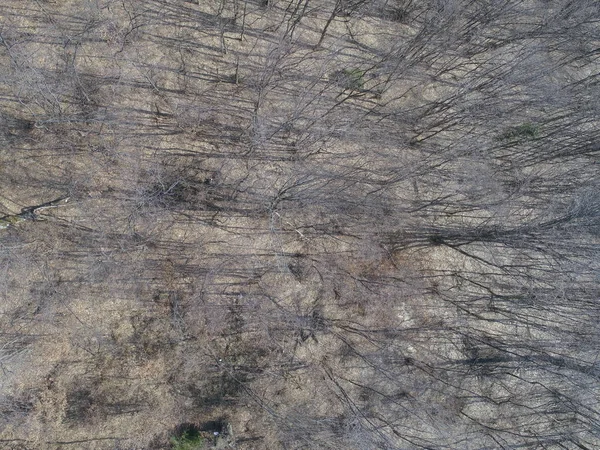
351,79
524,131
189,440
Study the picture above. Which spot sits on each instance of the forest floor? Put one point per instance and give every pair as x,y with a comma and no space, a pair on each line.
286,225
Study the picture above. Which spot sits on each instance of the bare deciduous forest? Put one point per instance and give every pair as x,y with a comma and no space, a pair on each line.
299,224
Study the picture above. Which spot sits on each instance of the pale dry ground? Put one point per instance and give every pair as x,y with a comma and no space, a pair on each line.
138,316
